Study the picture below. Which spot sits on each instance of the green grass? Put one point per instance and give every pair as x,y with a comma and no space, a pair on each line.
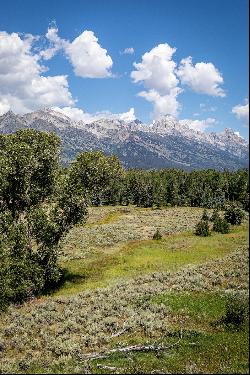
201,343
144,257
223,352
198,307
110,218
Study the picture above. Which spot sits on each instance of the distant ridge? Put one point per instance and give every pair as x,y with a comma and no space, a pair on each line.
167,143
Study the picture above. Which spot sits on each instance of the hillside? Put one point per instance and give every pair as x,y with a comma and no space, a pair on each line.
165,143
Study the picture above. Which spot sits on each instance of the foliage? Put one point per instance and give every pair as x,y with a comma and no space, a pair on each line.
221,225
175,187
215,215
202,228
157,235
205,215
234,214
97,176
32,220
237,307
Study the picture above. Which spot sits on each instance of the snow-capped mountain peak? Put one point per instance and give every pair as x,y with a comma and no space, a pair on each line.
166,142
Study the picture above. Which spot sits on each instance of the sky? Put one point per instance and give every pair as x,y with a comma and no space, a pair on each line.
128,59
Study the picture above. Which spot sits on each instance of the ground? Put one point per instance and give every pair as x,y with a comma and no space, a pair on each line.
123,290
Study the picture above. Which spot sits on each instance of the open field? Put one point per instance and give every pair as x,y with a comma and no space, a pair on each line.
125,289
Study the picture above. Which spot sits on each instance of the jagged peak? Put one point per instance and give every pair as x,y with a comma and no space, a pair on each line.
9,113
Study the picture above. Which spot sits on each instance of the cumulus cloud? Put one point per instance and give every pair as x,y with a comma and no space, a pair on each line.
77,114
242,112
157,73
23,88
238,134
157,70
4,106
128,116
202,77
128,51
88,58
199,125
163,104
55,43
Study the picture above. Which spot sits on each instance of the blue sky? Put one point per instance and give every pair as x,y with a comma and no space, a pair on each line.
210,88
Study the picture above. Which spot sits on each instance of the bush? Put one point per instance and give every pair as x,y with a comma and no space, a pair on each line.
221,225
234,214
202,228
215,215
236,310
157,235
205,215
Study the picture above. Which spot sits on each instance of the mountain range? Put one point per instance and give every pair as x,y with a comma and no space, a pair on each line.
166,143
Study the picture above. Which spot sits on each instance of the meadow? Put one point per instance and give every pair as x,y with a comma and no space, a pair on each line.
131,304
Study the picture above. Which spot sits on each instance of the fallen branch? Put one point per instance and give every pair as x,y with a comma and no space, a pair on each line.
119,332
111,368
128,349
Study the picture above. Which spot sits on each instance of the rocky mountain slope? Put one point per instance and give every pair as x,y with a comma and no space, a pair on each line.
165,143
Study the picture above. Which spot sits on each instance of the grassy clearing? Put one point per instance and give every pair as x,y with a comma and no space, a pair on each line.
110,228
148,256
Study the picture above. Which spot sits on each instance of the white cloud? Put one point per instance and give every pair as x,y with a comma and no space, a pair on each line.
202,77
56,43
242,112
238,134
88,58
4,106
199,125
23,88
157,70
163,104
128,51
157,73
77,114
128,116
207,108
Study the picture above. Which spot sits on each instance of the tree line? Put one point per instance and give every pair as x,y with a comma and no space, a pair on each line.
40,201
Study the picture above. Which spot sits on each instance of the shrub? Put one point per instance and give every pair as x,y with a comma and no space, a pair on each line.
157,235
234,214
205,215
215,215
202,228
221,225
236,310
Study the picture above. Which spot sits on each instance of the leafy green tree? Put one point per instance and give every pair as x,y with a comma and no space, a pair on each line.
234,214
97,176
34,214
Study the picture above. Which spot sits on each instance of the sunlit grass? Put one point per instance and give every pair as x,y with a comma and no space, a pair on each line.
144,257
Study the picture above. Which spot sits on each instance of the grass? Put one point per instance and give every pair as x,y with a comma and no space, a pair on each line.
223,352
198,307
144,257
151,291
203,346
